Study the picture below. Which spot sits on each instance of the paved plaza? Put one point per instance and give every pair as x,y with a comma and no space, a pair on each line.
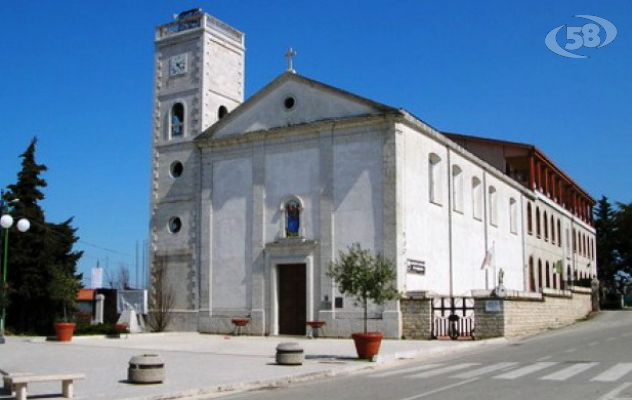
198,364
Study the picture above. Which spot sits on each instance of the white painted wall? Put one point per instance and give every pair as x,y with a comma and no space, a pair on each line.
231,229
428,224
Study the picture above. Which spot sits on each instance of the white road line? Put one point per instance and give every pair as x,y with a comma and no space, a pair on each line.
485,370
611,395
596,342
404,371
544,358
610,339
441,389
613,373
571,350
525,370
443,370
568,372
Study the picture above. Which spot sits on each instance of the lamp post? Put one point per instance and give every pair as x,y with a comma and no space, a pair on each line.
6,222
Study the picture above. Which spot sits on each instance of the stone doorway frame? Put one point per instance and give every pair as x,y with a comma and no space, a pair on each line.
283,252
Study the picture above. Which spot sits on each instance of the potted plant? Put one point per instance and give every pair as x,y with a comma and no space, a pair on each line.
366,278
63,289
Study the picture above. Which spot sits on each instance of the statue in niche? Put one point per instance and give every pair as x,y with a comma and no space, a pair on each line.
292,218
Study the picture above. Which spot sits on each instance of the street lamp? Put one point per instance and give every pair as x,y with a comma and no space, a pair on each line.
6,222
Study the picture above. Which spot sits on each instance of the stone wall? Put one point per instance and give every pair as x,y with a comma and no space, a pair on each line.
416,318
521,313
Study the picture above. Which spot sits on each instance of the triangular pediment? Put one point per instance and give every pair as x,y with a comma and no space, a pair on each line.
271,108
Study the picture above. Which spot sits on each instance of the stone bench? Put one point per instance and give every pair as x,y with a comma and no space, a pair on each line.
19,383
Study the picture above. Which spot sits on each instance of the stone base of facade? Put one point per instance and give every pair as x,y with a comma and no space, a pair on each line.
183,321
340,327
336,326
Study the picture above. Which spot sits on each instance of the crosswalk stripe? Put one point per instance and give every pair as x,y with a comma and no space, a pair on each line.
569,372
613,373
443,370
485,370
404,371
525,370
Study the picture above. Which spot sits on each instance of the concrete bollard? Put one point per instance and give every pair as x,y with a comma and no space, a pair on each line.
289,353
146,368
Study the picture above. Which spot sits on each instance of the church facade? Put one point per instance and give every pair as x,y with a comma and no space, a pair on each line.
252,200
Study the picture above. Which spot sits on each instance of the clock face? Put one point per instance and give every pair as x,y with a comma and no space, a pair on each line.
178,65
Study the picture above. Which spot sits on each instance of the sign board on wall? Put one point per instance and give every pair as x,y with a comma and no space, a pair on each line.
416,267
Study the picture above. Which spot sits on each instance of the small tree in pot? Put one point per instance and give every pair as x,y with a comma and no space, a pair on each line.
366,278
62,290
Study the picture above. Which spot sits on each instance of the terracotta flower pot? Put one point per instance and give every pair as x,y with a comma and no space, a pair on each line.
367,344
64,331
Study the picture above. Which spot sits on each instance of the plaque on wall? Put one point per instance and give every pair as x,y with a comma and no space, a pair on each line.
493,306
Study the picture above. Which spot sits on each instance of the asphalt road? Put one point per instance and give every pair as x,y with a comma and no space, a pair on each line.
590,360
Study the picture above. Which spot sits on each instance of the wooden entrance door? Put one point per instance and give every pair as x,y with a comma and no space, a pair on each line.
292,305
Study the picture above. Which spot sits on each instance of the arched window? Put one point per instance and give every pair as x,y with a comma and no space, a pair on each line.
559,233
546,227
548,275
434,178
292,218
177,120
540,281
477,198
574,242
493,206
221,112
537,222
529,219
513,217
457,188
569,276
552,230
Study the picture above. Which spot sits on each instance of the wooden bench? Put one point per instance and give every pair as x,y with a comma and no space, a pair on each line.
19,383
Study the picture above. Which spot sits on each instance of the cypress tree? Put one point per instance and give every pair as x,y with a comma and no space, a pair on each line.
34,254
606,240
623,236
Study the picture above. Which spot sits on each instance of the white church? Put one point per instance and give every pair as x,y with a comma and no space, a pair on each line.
251,200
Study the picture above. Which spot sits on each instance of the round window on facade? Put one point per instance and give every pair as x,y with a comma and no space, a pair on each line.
221,112
175,225
289,103
176,169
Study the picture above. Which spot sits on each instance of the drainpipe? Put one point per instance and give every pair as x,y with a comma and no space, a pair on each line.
525,267
485,227
450,224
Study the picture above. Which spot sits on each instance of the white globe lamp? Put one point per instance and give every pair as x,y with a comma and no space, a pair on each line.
6,221
23,225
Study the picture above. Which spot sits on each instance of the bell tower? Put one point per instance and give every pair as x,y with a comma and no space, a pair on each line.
198,78
199,75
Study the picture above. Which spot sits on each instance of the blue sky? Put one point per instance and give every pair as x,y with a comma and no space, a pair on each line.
78,75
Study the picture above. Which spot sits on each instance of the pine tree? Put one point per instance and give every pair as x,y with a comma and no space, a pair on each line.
606,240
34,254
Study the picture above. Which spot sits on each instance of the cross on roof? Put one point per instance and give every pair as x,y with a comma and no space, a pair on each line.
291,53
